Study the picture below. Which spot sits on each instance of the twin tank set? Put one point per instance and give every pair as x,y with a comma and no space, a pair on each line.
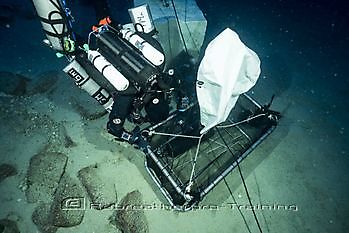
120,56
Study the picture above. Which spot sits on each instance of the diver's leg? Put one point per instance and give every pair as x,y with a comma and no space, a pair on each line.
120,110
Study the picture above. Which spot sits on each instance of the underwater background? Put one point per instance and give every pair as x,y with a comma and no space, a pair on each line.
52,131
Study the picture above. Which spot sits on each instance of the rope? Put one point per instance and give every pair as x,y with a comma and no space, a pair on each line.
187,189
243,121
196,153
173,135
243,180
234,200
179,27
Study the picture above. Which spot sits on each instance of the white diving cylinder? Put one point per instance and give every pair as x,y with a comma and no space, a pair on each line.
114,76
53,21
85,82
148,51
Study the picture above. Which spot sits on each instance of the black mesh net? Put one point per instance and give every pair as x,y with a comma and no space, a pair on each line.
245,127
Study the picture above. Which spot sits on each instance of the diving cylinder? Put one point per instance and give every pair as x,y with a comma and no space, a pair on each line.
85,82
148,51
108,70
53,21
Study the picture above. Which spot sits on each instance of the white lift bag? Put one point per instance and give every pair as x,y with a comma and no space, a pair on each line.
227,70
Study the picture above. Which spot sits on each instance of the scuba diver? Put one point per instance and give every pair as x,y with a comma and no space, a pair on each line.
122,106
122,68
128,103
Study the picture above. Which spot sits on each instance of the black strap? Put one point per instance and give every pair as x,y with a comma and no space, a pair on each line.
93,60
102,71
58,35
53,21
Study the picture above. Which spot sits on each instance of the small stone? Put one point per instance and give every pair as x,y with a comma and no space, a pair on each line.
130,220
41,218
13,84
8,226
101,194
42,182
63,214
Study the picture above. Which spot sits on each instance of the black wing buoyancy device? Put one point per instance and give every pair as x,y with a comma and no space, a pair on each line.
140,71
54,20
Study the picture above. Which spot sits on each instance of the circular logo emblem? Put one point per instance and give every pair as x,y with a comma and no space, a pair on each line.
117,121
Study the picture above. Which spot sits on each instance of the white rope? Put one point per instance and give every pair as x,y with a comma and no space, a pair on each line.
173,135
188,188
240,122
190,184
89,35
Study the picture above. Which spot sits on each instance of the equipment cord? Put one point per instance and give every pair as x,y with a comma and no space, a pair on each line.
235,202
243,180
179,26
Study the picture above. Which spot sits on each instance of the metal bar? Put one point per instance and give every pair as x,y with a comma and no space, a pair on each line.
157,182
170,117
245,134
217,143
213,149
252,100
166,173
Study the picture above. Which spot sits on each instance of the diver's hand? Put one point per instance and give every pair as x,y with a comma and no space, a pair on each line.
137,139
135,135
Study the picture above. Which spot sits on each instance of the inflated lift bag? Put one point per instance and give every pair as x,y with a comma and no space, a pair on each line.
227,70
